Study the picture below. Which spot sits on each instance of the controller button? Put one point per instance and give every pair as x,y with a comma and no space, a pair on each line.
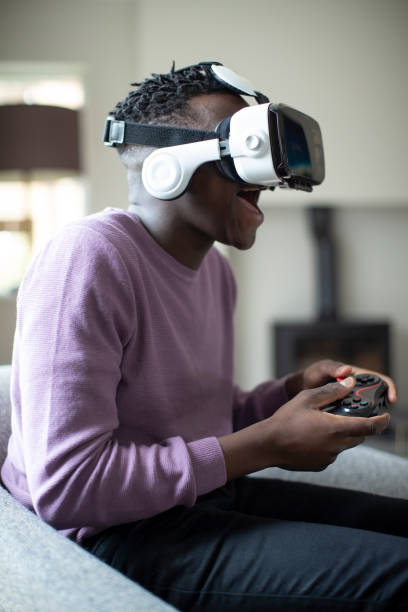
364,403
357,400
347,402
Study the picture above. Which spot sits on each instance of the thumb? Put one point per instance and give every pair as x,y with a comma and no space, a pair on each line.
327,394
362,426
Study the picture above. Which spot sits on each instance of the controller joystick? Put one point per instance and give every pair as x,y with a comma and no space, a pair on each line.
367,398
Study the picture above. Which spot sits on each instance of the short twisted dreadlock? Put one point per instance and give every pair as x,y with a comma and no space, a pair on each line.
162,98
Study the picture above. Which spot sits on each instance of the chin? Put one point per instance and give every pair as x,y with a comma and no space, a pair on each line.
243,243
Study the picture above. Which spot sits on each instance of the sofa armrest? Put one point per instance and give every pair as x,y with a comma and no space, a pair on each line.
42,571
361,469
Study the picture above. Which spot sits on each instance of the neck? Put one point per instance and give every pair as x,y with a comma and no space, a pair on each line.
179,238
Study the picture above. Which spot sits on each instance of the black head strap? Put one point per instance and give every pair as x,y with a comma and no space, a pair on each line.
128,132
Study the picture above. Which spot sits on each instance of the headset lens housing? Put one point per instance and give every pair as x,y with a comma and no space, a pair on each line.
297,148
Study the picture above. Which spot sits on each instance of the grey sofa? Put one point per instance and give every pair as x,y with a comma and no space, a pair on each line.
42,571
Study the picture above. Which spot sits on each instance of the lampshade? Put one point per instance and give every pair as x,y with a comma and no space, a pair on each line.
37,137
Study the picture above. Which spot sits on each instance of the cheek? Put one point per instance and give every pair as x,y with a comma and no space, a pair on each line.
207,179
211,192
217,211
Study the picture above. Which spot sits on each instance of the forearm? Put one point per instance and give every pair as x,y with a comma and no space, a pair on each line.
244,451
110,483
247,450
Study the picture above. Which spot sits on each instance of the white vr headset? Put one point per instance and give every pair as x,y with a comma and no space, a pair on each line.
267,145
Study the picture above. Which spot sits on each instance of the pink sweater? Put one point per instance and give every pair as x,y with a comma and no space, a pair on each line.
122,378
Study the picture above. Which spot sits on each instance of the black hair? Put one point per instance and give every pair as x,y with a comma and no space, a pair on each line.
163,96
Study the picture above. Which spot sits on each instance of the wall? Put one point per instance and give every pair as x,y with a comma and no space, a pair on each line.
343,62
98,36
277,281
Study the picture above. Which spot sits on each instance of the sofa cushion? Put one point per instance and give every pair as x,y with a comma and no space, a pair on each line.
42,571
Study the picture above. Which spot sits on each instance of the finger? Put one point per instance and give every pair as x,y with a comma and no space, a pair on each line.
327,394
335,369
361,426
392,389
348,442
354,441
342,370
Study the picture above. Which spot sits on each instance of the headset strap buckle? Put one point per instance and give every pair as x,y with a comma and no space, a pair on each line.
114,132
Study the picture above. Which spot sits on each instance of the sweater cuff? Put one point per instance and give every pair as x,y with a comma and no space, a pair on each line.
208,464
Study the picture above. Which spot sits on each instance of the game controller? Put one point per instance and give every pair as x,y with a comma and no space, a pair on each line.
367,398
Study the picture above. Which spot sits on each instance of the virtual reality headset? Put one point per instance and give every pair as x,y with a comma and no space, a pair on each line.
266,145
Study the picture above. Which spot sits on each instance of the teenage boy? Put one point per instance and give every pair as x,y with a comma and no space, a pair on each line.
129,434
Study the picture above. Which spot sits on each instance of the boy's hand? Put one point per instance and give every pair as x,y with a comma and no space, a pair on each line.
299,436
309,439
321,372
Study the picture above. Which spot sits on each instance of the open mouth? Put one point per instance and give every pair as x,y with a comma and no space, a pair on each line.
250,195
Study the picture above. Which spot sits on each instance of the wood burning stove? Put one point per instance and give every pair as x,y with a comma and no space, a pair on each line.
298,343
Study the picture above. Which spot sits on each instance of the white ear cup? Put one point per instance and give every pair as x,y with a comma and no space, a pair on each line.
162,174
167,172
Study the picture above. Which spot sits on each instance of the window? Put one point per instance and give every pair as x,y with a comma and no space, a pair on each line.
33,208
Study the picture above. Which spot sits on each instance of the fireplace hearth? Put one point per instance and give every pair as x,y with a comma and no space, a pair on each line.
362,342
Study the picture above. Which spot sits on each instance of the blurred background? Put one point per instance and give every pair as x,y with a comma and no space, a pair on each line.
328,272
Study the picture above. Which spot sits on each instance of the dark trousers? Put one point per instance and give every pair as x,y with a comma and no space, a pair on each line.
258,544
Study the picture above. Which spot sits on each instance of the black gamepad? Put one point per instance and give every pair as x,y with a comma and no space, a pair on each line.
367,398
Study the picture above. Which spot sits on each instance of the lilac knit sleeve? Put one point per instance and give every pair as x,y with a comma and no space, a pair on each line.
76,312
258,404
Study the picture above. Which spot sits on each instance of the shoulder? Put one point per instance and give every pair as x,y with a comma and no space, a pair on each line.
112,225
87,251
105,235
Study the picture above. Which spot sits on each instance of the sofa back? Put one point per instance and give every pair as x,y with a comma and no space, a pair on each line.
5,410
